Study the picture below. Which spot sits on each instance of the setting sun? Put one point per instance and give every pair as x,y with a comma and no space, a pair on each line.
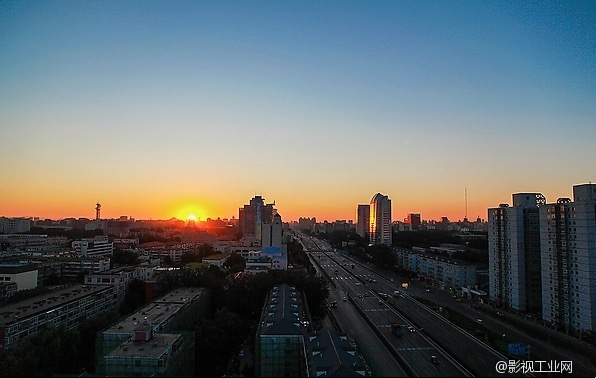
190,213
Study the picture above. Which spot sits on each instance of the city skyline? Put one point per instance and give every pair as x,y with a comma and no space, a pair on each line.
167,109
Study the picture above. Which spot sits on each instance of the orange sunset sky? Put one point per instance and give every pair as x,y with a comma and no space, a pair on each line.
166,109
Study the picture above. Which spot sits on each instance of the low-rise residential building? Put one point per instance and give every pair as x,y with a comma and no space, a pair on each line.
35,244
157,340
68,307
218,260
449,272
97,246
281,335
120,278
74,269
259,264
24,274
446,271
12,225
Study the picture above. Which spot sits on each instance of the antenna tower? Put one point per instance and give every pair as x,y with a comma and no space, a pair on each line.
466,199
97,209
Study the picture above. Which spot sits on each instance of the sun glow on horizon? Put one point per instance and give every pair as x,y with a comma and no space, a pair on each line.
190,212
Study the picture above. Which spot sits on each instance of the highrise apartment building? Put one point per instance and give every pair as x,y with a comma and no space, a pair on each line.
568,256
272,233
380,231
252,216
363,220
560,239
414,221
514,253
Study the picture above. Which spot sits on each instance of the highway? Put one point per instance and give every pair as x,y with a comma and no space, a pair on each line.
381,361
414,350
457,353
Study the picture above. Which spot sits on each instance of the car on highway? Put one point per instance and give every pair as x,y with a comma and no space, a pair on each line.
434,359
411,329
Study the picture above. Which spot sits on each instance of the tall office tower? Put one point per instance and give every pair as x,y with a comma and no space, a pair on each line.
414,221
568,245
272,233
363,221
380,220
252,216
514,253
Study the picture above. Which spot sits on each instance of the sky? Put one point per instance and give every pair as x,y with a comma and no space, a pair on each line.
160,109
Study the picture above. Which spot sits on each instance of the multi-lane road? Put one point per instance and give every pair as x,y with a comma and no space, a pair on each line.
457,352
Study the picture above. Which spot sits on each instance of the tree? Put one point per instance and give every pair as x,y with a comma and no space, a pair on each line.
134,297
125,257
235,263
206,250
217,340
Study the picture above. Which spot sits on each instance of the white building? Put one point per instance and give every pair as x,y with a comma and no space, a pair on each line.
272,233
23,274
14,225
449,272
97,246
446,271
514,253
217,260
568,250
259,264
279,257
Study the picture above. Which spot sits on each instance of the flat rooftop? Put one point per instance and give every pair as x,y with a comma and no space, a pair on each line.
46,302
157,312
157,346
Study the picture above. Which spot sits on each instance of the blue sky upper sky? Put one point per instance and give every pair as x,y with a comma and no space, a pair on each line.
158,108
